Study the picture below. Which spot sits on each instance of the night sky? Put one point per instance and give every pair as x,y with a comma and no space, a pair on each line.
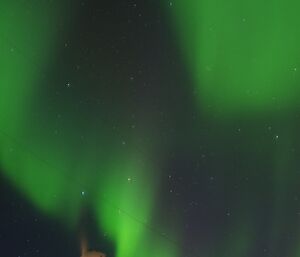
150,128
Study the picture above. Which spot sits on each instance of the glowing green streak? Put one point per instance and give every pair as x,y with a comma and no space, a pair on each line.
39,182
17,77
134,197
48,187
26,44
244,57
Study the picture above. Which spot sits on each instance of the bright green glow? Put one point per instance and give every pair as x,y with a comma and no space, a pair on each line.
17,77
48,187
26,44
135,197
244,56
40,183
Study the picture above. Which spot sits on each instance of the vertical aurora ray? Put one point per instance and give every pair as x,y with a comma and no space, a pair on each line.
29,35
125,210
27,41
244,57
18,79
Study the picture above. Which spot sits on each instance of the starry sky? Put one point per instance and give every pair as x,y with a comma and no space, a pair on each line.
149,128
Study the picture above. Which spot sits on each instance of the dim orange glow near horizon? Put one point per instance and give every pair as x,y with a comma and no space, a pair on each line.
86,253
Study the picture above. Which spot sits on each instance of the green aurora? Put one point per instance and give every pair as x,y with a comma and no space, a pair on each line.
243,56
42,167
243,60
